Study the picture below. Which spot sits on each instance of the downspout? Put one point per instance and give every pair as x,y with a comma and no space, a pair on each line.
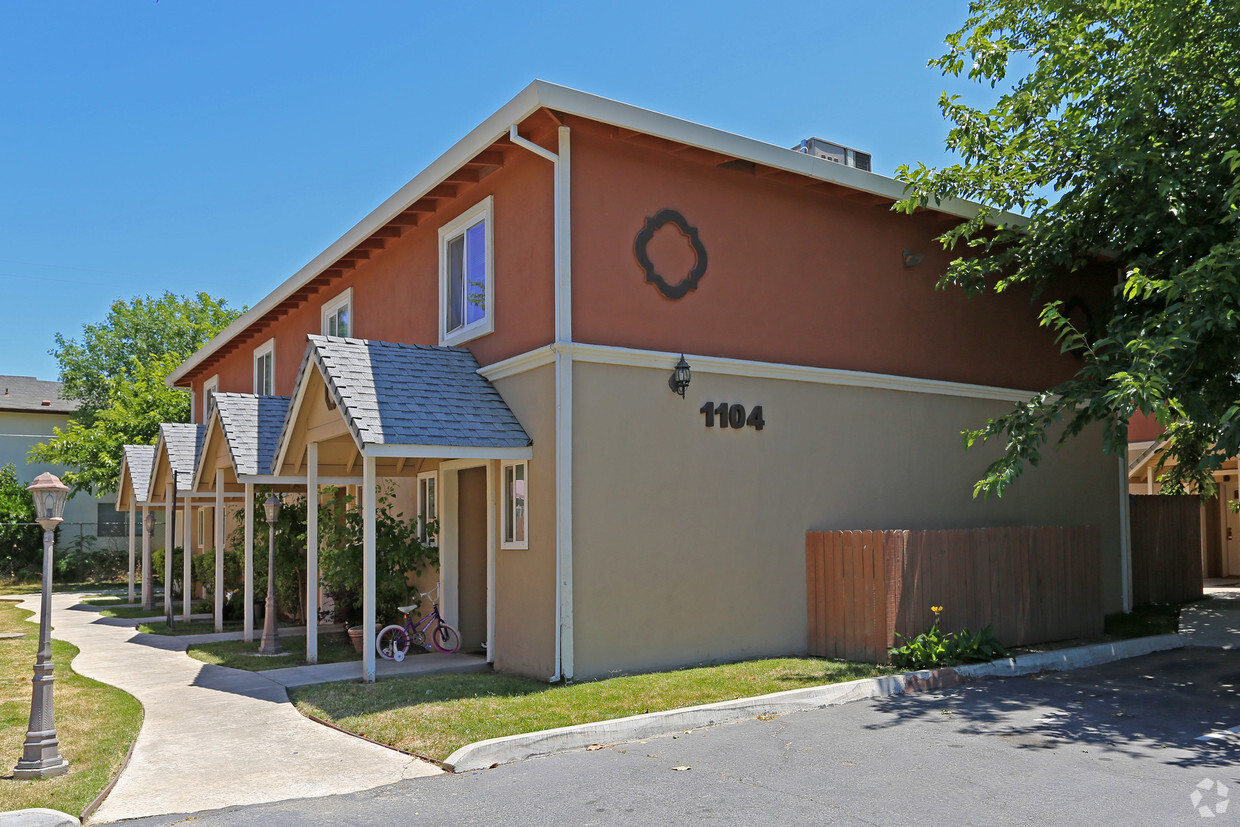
563,400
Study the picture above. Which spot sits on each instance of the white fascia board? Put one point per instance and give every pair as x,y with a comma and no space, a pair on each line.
120,482
159,447
271,479
630,357
446,452
531,359
496,126
541,94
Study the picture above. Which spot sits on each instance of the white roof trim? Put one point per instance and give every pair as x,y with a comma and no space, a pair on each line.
540,94
447,451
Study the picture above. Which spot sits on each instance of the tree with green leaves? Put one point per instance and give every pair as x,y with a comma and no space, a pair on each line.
117,370
1116,138
21,539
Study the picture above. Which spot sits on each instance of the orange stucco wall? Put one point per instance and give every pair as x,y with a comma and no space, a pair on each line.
793,276
395,292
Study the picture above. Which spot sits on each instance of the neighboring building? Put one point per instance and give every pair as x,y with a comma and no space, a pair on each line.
591,519
30,411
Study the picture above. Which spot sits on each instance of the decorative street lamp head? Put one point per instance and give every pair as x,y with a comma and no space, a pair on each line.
149,522
679,380
50,496
272,505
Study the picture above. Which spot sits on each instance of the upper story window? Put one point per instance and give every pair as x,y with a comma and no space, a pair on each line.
265,368
338,315
209,389
466,276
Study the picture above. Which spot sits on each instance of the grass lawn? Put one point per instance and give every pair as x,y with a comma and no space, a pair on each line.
436,714
334,647
193,627
96,723
8,587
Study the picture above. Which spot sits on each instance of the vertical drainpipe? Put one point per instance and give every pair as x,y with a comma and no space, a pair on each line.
563,398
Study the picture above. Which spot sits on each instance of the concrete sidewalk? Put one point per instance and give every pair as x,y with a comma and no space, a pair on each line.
1213,623
215,737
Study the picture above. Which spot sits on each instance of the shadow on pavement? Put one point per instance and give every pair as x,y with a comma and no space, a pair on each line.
1158,706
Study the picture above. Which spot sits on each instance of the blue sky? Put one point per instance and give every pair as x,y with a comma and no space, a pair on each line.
185,146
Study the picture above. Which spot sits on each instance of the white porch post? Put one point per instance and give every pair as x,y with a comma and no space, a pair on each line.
219,549
368,569
133,507
187,554
312,552
249,562
169,519
148,577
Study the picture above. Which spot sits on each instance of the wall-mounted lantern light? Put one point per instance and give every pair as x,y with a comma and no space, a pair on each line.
911,259
679,380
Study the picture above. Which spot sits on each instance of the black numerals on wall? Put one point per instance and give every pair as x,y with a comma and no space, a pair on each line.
732,415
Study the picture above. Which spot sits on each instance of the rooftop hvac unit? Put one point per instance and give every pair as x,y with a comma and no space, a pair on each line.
835,152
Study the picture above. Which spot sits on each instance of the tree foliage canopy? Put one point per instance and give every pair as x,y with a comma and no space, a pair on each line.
117,369
1117,142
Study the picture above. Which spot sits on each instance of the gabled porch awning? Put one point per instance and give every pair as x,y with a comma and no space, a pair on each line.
175,459
357,398
240,439
133,484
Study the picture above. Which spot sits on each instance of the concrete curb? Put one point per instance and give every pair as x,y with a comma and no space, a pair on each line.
494,751
37,817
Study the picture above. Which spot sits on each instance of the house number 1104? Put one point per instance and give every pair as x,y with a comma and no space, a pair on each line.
732,415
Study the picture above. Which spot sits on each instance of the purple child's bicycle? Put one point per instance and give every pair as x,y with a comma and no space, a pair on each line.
393,641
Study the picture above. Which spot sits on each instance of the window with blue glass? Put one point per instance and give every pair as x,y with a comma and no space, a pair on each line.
466,261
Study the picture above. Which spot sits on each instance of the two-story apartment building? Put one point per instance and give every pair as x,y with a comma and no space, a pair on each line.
552,268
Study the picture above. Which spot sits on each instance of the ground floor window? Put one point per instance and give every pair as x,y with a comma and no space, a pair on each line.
516,505
428,505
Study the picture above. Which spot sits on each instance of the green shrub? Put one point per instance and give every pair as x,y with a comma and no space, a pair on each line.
83,559
934,648
398,554
21,539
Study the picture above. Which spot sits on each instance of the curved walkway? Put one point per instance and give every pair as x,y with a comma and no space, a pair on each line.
213,737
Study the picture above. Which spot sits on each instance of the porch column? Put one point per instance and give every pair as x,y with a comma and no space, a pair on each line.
148,594
368,569
312,552
169,519
187,536
248,632
133,507
219,549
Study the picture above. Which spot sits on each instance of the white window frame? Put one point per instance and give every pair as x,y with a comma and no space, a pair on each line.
506,505
267,347
330,309
425,478
209,387
482,211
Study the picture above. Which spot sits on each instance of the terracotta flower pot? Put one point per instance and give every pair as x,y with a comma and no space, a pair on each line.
356,634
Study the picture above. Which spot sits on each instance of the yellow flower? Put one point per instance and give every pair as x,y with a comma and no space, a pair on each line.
936,609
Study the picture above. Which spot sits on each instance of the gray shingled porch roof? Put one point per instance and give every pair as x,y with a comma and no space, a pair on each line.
251,426
139,459
397,394
182,440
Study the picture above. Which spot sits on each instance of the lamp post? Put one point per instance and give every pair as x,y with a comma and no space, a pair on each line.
270,642
148,581
41,750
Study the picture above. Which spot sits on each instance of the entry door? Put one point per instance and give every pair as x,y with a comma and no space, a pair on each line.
471,551
1231,529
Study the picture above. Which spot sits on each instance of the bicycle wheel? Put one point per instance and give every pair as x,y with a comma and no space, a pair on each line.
446,639
390,640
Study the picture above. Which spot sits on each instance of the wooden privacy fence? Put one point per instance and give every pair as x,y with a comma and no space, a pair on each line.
1166,548
1035,584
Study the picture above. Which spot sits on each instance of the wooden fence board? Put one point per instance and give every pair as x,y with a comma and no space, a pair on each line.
1166,548
1034,584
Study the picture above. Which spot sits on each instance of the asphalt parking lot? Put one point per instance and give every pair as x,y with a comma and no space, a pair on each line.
1141,741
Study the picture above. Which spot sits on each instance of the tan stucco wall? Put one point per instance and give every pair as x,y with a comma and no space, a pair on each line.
689,542
525,578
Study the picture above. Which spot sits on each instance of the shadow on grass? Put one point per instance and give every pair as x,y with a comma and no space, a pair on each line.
1157,706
